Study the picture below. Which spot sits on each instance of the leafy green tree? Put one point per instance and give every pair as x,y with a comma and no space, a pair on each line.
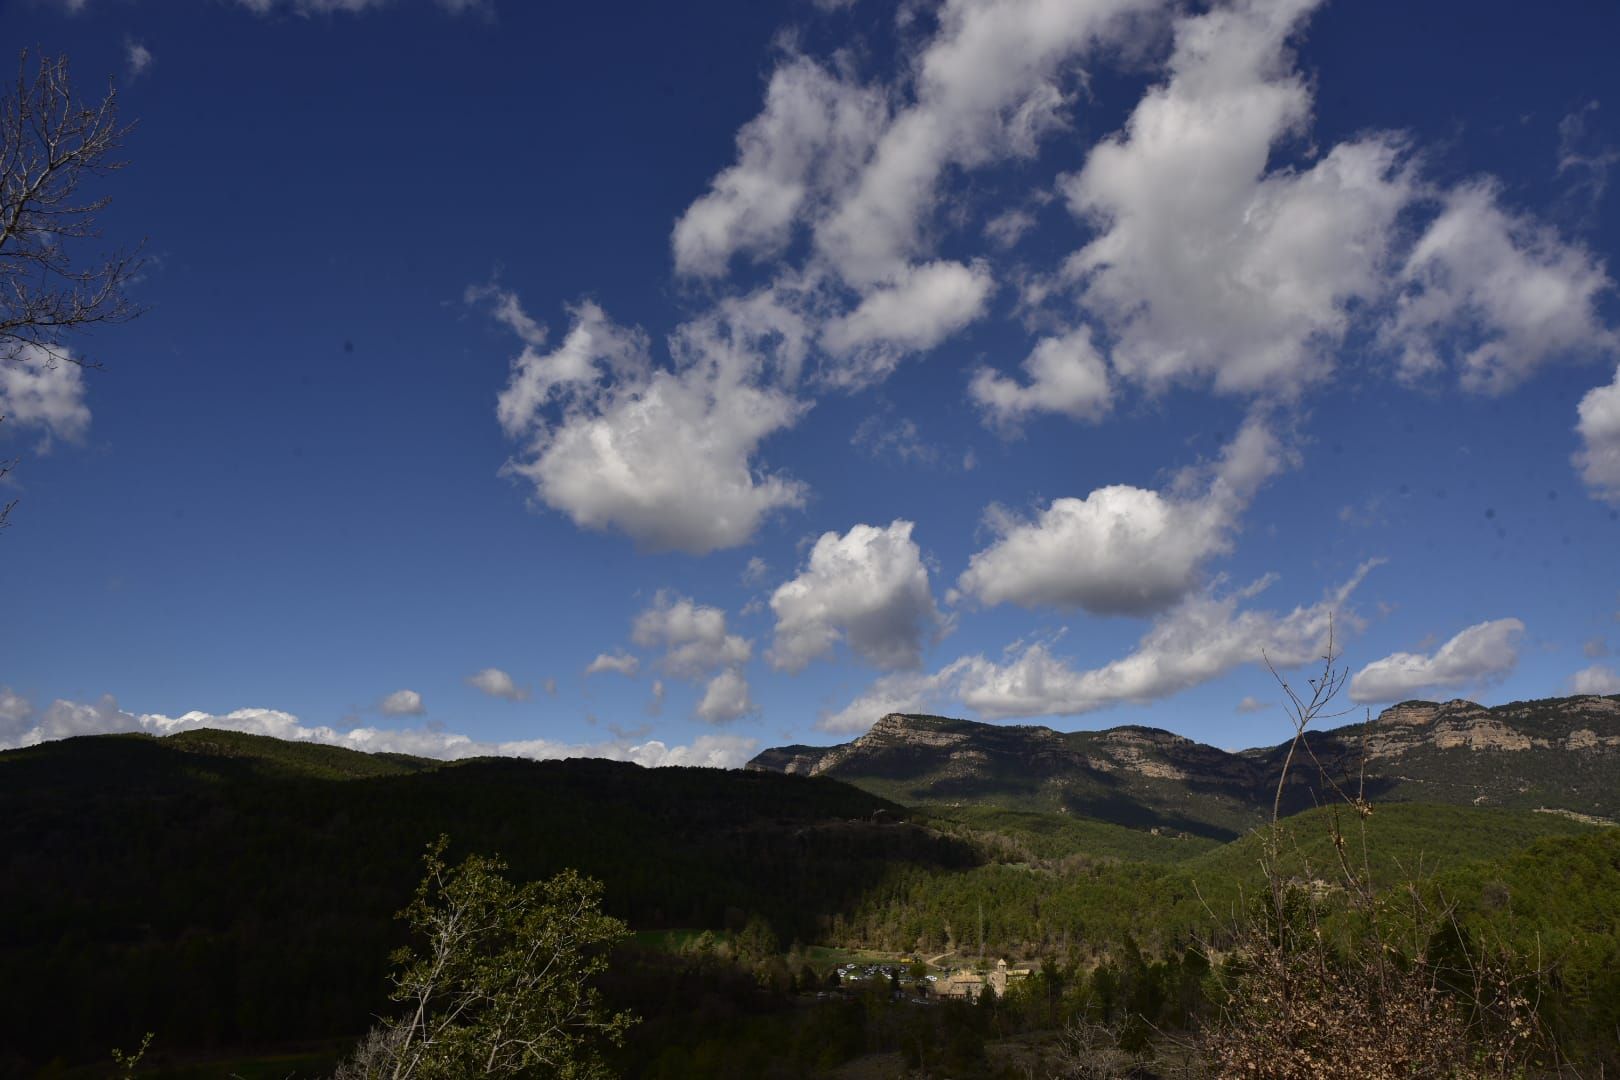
501,985
757,941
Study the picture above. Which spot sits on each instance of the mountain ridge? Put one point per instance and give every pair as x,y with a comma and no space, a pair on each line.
1554,753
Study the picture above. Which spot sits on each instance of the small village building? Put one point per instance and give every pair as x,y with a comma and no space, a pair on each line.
968,985
962,985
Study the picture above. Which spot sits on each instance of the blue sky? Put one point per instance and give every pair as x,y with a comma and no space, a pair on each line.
670,381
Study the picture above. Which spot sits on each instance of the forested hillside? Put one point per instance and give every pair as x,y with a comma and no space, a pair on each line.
232,892
228,890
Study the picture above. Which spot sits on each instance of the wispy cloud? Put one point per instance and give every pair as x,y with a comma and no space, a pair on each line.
623,663
1200,639
137,58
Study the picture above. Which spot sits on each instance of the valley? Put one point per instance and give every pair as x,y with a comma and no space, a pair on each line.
201,885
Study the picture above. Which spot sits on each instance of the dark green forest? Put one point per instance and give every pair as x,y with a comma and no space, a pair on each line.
236,896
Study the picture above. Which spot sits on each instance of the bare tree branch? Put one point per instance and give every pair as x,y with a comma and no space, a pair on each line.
53,145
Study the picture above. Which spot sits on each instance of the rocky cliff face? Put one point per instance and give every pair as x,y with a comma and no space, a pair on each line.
1562,753
1577,723
793,760
895,733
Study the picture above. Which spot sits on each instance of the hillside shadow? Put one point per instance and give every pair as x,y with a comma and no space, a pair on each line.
204,898
1123,809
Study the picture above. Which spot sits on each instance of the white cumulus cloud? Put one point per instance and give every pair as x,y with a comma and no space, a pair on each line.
595,348
497,683
861,169
1064,374
693,636
1120,550
1124,550
1207,265
912,311
726,698
1599,428
402,703
808,140
868,587
15,712
1496,294
68,719
896,692
1596,679
39,392
1484,651
696,645
665,456
987,86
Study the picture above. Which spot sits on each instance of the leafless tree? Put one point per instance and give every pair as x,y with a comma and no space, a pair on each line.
1305,999
53,146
